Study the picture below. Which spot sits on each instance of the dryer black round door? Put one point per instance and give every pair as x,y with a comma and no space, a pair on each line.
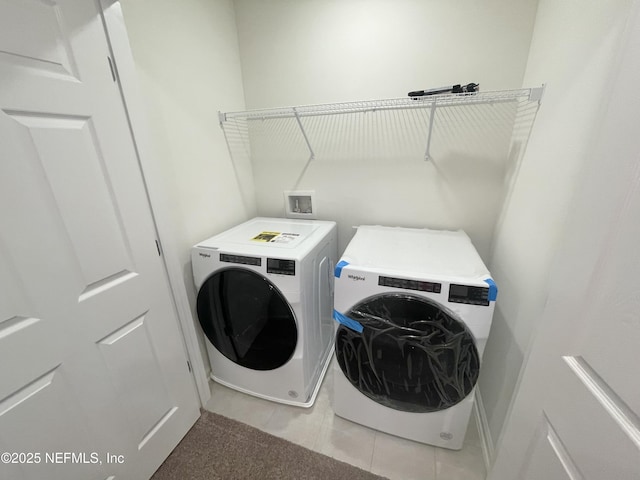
247,319
412,355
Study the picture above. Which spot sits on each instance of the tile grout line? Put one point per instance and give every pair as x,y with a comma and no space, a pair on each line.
317,447
373,450
317,433
264,426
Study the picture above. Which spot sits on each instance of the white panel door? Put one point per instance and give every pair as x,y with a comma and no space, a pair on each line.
577,412
91,355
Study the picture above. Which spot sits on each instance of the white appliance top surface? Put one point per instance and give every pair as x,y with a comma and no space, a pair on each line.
261,236
415,252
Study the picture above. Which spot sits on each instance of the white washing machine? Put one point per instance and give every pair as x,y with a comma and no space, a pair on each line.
265,298
414,309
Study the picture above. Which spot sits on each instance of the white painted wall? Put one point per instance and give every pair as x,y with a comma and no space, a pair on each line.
574,49
321,51
318,51
188,64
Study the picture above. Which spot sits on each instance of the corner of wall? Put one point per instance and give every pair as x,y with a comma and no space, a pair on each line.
486,440
187,63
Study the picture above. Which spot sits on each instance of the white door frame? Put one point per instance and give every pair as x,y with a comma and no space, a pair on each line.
127,79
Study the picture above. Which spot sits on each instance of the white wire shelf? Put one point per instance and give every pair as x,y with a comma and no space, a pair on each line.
431,101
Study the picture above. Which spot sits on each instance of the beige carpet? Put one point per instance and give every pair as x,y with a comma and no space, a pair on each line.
220,448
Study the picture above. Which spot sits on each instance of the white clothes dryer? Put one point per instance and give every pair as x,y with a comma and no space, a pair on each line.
414,309
265,298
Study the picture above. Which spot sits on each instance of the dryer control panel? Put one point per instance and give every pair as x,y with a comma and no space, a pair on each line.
469,294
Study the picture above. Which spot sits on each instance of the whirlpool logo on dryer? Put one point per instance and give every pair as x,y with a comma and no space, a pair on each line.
356,277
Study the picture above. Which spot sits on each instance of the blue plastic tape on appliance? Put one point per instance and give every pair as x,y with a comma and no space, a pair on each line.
339,266
347,322
493,289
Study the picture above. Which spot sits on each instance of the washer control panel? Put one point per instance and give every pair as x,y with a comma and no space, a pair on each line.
281,267
409,284
224,257
468,294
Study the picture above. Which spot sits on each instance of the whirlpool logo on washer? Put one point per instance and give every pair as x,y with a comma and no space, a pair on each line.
356,278
204,255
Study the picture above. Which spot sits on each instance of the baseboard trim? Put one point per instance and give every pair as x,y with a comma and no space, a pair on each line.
483,429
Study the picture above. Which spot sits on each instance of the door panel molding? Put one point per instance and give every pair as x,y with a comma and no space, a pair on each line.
37,53
548,457
628,421
26,392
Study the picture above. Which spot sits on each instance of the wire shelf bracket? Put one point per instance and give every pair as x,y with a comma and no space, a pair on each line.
432,117
304,134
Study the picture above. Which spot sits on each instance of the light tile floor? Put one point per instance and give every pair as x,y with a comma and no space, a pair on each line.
317,428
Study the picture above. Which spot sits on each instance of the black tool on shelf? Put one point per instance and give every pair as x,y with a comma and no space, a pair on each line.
468,88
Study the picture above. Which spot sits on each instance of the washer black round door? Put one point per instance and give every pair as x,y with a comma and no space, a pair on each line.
247,319
412,355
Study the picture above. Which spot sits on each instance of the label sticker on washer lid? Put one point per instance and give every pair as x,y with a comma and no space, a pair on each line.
493,289
347,322
276,237
265,236
339,266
